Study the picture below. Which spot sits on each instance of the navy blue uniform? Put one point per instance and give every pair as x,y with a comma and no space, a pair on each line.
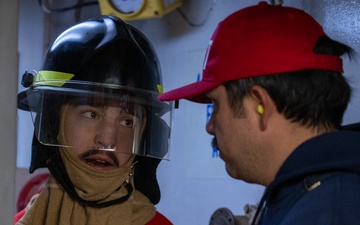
318,184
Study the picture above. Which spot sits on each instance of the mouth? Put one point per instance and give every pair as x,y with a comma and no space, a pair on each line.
99,163
214,143
100,160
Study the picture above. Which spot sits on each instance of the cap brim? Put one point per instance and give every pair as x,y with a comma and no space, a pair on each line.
194,92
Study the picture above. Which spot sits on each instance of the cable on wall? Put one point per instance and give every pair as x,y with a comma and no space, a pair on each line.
44,6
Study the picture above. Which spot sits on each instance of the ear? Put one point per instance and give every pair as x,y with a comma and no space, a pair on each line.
263,105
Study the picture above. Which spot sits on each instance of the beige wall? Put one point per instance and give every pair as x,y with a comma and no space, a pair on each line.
8,90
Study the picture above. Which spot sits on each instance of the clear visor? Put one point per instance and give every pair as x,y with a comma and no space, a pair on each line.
97,117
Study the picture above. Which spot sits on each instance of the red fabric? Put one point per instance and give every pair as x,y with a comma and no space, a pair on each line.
32,187
18,215
159,219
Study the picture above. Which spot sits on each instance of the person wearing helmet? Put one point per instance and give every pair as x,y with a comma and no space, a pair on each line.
99,127
275,80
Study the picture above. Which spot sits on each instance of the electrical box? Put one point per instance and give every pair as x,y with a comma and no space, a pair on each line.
138,9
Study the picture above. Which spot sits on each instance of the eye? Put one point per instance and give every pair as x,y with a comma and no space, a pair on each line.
90,114
127,122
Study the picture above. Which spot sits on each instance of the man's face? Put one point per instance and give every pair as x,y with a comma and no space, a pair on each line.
100,133
236,136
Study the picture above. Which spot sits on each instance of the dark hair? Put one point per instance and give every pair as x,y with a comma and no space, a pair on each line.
311,97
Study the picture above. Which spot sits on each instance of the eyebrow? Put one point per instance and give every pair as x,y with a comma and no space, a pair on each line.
206,94
101,104
86,101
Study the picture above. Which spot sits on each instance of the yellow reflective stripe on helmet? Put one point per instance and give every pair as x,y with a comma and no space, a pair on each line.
160,88
53,78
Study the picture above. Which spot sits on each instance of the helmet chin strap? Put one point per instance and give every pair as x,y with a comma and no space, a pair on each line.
57,168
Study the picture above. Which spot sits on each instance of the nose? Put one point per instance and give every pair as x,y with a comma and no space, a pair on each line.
106,136
210,126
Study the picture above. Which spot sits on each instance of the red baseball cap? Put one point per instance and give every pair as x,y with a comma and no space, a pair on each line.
255,41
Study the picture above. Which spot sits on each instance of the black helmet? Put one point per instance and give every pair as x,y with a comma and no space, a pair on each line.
106,57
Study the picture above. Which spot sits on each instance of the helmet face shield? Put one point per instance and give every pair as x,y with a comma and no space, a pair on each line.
93,116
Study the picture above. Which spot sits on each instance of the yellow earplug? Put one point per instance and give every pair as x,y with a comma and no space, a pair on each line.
260,109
